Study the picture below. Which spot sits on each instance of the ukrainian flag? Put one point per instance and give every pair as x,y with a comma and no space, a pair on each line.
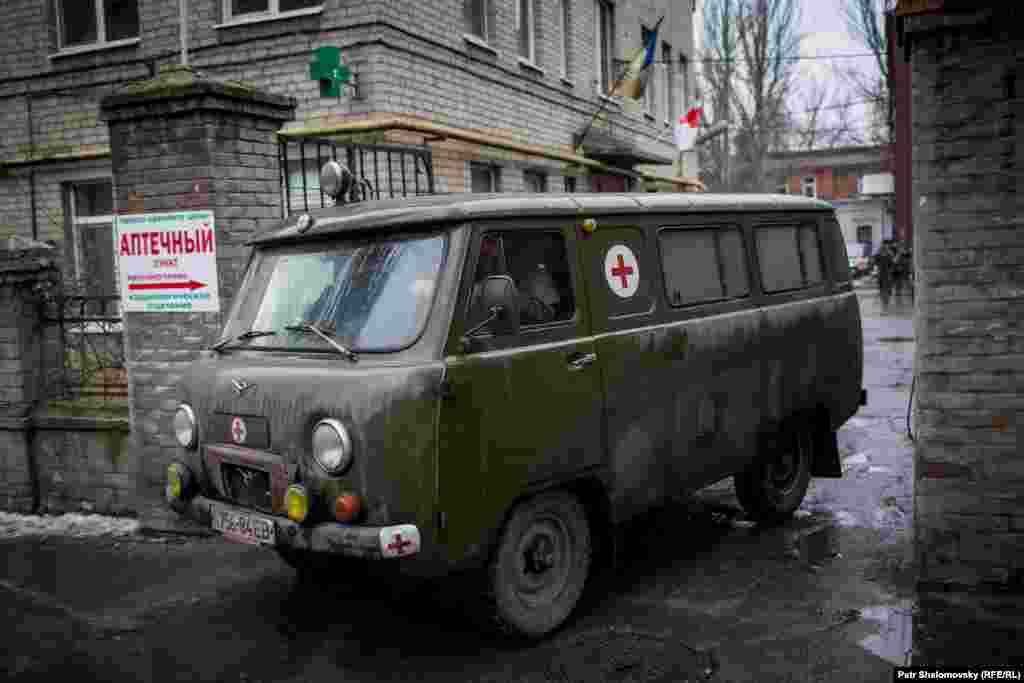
634,79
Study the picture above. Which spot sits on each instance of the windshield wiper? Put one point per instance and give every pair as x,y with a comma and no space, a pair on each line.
250,334
327,337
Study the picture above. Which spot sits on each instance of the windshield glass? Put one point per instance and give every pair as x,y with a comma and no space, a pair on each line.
371,296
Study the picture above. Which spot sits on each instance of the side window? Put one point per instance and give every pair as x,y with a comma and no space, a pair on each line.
779,257
790,256
703,265
538,265
810,254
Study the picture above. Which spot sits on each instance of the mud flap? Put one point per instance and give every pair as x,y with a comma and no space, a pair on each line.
826,449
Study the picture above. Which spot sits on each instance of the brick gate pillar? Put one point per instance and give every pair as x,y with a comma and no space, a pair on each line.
968,167
184,141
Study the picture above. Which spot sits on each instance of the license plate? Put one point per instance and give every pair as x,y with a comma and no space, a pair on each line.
243,526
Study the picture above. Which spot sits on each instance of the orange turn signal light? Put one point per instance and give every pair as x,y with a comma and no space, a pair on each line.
347,507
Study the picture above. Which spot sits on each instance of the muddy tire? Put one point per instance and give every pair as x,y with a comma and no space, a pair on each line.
773,487
540,566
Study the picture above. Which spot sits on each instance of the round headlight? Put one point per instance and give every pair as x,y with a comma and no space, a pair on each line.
332,447
185,426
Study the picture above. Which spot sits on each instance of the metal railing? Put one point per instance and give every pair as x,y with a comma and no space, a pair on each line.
380,171
83,348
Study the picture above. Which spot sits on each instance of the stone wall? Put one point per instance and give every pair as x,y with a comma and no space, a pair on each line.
968,171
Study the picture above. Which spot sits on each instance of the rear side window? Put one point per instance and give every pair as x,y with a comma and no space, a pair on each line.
703,265
789,256
840,259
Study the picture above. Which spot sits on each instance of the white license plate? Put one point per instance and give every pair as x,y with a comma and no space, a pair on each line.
243,526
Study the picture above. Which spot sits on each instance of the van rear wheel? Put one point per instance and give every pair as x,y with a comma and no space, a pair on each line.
772,488
540,566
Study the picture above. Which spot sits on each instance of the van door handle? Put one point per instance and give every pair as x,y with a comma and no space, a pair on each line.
578,361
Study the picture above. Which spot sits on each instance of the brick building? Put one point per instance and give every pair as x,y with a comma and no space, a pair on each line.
857,180
968,168
524,71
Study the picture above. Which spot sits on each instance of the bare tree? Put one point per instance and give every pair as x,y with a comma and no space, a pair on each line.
822,122
865,21
768,41
718,72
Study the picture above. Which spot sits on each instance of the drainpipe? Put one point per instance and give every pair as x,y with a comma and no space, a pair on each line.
183,32
31,168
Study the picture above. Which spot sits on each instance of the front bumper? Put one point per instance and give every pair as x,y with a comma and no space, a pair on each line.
332,538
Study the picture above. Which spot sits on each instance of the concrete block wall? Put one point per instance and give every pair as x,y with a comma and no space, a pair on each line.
968,213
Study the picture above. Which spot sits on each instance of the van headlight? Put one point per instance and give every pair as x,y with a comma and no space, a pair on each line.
185,426
332,447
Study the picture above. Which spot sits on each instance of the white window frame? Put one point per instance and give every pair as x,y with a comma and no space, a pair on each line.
485,15
493,174
809,182
669,77
78,223
563,31
531,30
101,41
272,12
605,46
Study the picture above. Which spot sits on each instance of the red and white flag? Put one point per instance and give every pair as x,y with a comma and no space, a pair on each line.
685,133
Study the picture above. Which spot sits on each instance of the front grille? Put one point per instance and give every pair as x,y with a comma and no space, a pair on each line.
247,486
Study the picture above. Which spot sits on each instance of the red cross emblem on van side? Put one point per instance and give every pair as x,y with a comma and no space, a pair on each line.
238,430
622,271
399,544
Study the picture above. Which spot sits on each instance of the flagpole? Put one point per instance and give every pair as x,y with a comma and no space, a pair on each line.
607,98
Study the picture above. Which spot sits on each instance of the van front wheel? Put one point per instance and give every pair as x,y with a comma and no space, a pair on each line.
540,566
772,488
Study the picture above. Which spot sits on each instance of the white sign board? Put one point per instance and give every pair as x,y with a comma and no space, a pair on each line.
168,262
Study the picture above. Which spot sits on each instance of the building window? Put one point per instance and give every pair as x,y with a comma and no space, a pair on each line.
91,205
535,181
527,23
864,234
671,110
809,186
476,14
650,92
96,22
484,177
563,17
605,42
570,183
237,9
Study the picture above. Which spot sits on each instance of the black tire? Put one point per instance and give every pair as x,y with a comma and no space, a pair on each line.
540,566
772,488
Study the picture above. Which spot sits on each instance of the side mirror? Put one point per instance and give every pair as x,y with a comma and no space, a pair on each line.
499,298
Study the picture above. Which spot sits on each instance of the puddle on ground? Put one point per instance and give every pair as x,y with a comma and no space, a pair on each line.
894,641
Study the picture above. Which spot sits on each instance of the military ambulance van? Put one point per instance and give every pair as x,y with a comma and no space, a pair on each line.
495,382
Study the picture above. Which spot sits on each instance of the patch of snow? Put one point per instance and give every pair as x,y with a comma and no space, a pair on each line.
69,524
845,519
857,459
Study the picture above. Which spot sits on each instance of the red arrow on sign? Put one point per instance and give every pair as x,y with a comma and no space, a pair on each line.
191,284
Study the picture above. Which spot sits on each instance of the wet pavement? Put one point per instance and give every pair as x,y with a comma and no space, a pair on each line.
702,594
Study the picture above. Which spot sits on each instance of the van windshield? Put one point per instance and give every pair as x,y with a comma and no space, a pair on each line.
369,296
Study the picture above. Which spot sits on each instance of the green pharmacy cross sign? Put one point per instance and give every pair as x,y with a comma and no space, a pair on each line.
327,68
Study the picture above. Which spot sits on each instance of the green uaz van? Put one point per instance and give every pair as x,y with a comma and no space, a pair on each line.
496,381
